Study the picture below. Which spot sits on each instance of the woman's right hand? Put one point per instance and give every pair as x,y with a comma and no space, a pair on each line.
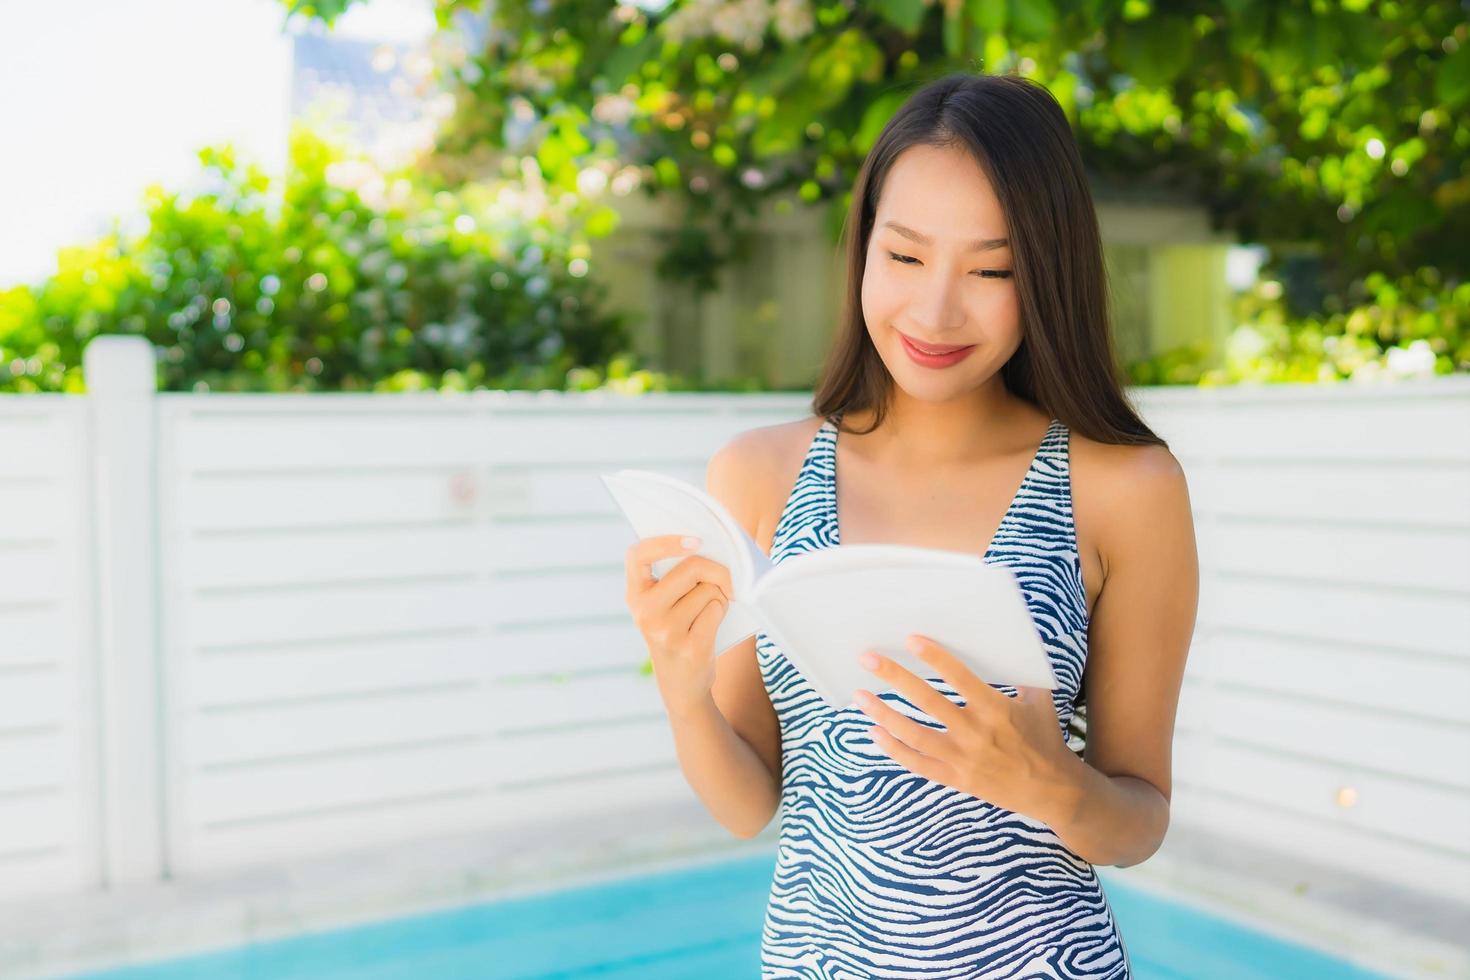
678,615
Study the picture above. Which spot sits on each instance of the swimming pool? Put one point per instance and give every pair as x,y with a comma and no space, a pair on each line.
695,922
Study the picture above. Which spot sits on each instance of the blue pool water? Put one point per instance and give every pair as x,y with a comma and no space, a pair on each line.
699,922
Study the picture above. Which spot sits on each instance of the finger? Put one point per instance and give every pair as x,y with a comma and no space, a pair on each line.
709,570
918,690
677,581
706,624
913,733
690,572
953,669
911,759
693,603
638,562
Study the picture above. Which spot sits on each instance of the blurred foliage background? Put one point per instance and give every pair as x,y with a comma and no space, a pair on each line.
335,277
1333,133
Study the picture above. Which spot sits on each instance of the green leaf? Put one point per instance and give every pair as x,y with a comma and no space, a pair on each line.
851,55
1155,51
1248,25
627,59
994,51
876,116
781,132
1064,87
784,69
1314,125
1294,42
988,15
1032,20
906,15
1452,82
1096,12
1359,38
326,11
602,221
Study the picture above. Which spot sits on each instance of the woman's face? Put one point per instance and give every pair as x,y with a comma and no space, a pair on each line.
938,271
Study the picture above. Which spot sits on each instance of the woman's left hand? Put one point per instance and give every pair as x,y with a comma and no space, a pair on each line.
1008,751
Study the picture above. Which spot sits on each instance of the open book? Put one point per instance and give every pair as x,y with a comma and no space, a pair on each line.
824,607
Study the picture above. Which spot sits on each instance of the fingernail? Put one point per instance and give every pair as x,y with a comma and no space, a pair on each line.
868,659
690,543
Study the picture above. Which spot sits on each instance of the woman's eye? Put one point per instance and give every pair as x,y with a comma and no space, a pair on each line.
983,273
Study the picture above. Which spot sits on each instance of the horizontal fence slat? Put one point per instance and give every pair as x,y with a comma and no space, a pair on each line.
550,595
645,787
595,542
583,700
39,698
243,795
1408,865
35,821
1370,679
1435,816
1391,430
574,490
1435,559
1345,735
365,723
535,757
30,757
41,574
312,555
608,442
301,613
1411,621
310,442
33,512
39,436
239,503
1347,497
378,822
335,668
31,630
561,647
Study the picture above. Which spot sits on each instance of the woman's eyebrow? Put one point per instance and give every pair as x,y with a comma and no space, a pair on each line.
978,245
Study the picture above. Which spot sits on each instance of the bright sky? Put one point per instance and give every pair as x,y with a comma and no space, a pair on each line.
100,98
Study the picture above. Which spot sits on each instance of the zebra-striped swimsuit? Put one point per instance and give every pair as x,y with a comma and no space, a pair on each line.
884,873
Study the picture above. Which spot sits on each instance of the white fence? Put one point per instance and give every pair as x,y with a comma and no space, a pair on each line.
50,788
239,629
1326,709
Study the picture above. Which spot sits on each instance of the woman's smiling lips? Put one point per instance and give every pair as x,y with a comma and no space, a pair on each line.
944,354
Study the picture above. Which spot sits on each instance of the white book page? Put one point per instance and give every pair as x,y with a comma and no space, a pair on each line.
824,608
656,503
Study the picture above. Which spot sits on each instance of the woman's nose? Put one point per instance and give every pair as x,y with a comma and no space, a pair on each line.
937,309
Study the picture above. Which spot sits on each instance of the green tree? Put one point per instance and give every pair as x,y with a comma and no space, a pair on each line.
333,277
1335,123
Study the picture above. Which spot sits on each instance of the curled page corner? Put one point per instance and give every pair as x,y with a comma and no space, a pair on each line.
739,623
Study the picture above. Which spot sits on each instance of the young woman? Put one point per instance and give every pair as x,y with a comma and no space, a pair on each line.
948,829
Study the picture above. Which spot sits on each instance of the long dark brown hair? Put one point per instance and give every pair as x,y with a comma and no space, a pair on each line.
1066,364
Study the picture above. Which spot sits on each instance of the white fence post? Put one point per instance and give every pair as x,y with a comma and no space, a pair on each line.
120,372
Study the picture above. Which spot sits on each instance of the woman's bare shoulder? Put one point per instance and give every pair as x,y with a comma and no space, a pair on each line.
1108,482
1112,467
753,472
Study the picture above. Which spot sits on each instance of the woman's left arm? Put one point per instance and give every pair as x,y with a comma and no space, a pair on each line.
1112,806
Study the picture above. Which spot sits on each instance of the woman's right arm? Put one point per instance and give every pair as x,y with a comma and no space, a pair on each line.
726,734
